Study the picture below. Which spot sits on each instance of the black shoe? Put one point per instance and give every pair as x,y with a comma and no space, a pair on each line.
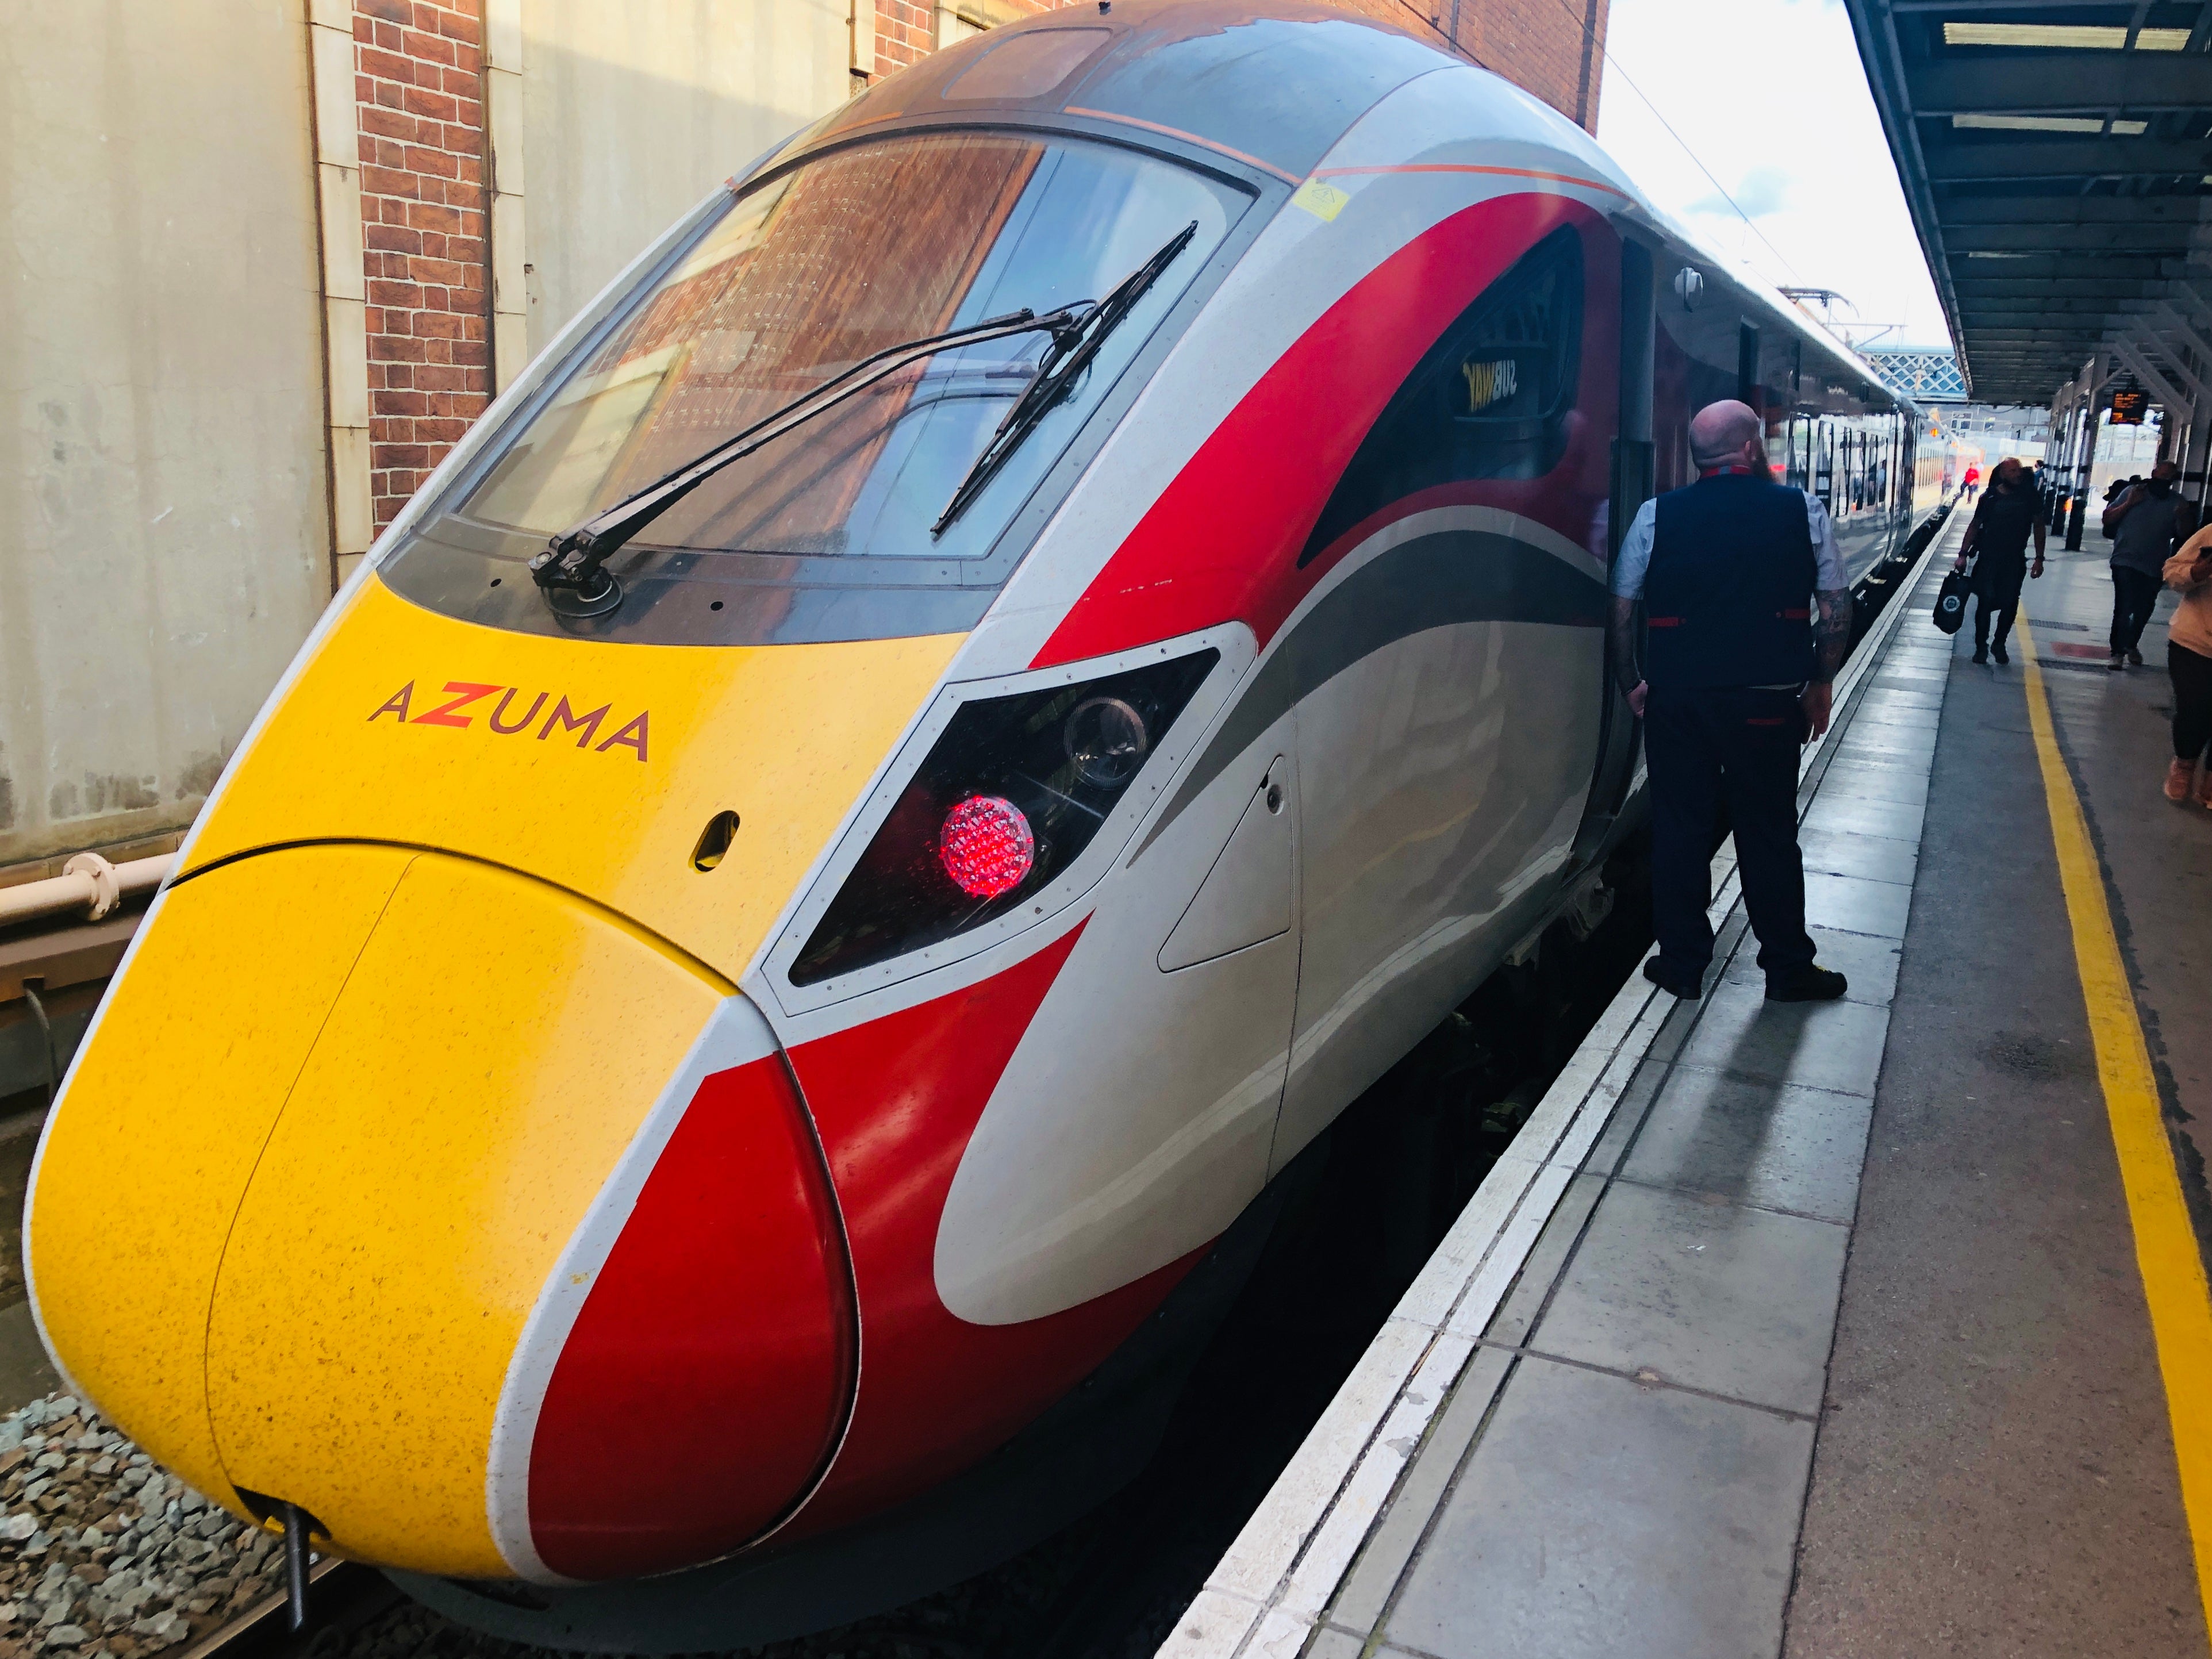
1806,984
1981,653
2135,659
1688,989
1998,651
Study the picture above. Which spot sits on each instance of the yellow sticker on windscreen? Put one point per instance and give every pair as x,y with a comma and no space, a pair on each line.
1322,201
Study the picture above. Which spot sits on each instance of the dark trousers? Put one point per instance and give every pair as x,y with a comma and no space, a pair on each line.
2005,611
2192,700
1734,748
2135,594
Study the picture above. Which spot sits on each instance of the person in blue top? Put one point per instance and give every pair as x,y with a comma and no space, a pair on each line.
1733,573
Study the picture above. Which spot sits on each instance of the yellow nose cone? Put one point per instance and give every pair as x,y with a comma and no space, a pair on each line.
342,1113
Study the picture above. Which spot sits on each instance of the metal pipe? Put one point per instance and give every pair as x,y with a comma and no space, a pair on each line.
87,883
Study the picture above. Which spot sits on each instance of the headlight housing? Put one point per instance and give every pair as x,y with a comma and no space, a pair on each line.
1008,797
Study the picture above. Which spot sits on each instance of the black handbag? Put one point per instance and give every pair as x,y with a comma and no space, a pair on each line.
1951,601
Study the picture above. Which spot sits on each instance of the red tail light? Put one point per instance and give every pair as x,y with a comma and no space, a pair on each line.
985,846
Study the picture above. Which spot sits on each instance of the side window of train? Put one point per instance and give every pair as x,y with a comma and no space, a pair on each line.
1489,400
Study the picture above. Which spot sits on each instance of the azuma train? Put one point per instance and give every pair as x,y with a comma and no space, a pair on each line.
996,679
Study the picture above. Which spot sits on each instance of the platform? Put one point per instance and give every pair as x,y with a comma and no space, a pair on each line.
1837,1330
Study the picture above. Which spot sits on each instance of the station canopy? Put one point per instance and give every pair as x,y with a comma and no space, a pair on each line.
2056,162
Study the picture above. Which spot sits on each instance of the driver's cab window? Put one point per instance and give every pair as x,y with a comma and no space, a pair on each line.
1489,400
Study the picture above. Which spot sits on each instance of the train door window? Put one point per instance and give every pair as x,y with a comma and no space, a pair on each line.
1489,400
1824,464
1747,364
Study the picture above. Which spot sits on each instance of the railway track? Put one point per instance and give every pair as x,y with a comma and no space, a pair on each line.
341,1597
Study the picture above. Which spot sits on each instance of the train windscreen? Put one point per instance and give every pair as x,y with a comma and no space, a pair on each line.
860,250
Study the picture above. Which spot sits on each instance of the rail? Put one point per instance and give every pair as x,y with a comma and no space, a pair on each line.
344,1595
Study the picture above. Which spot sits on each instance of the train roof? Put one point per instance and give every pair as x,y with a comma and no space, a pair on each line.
1270,85
1273,85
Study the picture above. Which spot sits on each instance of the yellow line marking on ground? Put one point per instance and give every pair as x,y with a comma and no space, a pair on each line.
2165,1246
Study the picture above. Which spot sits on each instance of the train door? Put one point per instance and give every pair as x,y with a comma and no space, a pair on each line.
1634,461
1443,768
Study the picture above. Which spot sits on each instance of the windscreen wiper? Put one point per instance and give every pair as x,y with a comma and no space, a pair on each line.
572,569
1057,371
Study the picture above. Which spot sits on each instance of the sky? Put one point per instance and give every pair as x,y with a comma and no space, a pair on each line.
1769,96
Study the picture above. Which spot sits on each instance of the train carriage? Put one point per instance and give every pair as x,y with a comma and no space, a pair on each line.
1002,674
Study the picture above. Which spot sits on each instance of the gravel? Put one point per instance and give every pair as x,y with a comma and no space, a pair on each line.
103,1551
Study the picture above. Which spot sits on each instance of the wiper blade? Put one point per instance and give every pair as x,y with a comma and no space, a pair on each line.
572,569
1058,370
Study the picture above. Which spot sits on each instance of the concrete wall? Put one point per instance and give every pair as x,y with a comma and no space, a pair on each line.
163,528
632,112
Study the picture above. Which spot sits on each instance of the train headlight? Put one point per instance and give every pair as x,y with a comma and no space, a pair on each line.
1107,740
1010,794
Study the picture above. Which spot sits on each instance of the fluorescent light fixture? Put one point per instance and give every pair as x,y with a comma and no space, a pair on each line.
1986,253
2030,123
2069,37
2129,129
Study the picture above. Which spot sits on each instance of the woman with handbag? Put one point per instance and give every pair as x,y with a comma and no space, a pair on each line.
1997,541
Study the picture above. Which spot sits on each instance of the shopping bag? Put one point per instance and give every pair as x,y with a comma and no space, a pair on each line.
1951,602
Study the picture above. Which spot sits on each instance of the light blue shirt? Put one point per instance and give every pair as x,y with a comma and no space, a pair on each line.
1634,563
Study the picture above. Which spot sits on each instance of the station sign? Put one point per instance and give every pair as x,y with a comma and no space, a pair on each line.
2130,406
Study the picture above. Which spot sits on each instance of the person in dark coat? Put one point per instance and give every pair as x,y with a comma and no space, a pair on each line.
1738,674
2144,525
1998,541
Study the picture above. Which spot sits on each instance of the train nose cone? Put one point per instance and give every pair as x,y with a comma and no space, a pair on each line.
452,1209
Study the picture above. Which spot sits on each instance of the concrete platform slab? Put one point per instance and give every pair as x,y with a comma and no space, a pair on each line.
1876,858
1853,904
1586,1491
1703,1292
1827,1045
1895,820
1714,1136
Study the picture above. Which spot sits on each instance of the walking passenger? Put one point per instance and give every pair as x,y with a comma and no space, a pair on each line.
2189,662
2141,524
1973,482
1738,676
1997,537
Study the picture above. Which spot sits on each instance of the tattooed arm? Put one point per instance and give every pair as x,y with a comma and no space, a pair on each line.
1623,628
1832,634
1832,639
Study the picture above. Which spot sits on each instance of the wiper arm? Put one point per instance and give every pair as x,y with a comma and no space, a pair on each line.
572,569
1057,371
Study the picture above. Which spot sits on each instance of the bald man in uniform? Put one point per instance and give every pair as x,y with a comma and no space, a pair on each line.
1738,677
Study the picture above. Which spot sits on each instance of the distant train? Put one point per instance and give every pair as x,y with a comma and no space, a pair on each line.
1003,672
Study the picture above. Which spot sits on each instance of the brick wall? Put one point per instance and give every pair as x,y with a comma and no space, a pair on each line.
1554,48
419,85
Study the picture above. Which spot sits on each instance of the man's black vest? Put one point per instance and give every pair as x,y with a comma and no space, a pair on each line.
1728,600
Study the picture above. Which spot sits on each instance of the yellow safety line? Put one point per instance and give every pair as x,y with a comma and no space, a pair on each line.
2166,1247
